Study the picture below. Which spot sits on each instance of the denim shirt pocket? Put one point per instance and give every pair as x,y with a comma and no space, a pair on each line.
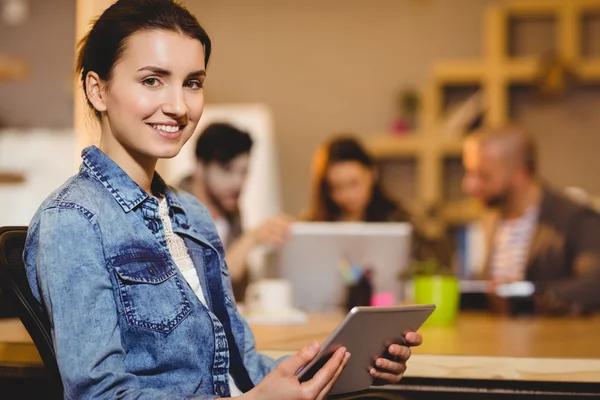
152,294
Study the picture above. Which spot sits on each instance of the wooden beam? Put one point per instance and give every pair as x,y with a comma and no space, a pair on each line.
388,146
11,178
535,7
569,40
459,72
533,10
495,91
589,70
413,145
431,108
495,35
521,70
430,170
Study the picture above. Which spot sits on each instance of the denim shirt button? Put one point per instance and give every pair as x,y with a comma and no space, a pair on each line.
152,272
221,391
185,226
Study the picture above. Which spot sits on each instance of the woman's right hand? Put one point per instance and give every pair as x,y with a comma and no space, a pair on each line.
282,382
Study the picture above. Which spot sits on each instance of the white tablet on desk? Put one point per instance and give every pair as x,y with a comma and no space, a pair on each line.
366,332
310,260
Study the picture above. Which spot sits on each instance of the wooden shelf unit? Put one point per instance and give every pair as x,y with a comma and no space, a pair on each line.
494,73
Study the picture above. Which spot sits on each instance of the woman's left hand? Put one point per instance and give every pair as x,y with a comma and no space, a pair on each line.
391,370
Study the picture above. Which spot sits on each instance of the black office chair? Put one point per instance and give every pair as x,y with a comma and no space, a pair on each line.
15,288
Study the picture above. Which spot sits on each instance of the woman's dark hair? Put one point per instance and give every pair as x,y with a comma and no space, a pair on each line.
102,47
343,149
221,143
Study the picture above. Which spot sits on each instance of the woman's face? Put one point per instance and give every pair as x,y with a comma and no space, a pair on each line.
350,186
154,99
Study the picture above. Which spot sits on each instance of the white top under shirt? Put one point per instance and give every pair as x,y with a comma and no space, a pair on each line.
511,243
223,229
185,264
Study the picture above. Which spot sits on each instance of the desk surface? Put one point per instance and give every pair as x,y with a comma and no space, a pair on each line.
473,335
478,346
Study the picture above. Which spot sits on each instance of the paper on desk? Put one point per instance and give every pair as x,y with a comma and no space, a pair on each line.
284,317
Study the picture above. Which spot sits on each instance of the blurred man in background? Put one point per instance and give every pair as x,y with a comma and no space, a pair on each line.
533,232
223,156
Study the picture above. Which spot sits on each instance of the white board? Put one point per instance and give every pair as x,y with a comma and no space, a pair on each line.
261,197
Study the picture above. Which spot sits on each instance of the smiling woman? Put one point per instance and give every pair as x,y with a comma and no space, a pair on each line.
150,75
130,271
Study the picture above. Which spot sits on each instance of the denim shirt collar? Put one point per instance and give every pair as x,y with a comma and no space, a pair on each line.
129,195
126,192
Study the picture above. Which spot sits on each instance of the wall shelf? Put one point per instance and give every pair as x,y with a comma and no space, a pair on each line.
384,146
494,74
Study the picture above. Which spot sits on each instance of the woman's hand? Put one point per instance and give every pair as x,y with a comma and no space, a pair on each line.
282,382
391,370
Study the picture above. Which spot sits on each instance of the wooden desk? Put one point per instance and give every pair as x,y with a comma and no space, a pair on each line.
474,334
478,346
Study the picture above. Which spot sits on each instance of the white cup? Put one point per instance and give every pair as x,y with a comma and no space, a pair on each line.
269,296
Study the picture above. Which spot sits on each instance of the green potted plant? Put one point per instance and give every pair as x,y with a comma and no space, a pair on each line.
407,103
435,283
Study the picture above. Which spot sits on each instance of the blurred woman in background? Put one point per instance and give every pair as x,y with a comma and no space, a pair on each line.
346,188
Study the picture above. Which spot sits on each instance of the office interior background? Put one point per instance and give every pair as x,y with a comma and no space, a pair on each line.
409,78
329,67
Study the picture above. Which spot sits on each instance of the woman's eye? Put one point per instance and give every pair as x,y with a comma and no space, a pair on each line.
151,82
194,84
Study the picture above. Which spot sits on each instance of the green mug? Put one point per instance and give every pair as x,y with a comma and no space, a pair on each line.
443,291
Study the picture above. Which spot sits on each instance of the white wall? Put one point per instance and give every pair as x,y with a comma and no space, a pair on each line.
45,157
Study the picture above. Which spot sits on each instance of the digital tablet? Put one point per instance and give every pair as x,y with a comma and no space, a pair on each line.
366,332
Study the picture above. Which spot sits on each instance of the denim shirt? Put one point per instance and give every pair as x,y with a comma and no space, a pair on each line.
125,323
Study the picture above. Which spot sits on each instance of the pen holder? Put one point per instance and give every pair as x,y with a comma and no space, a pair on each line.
359,294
